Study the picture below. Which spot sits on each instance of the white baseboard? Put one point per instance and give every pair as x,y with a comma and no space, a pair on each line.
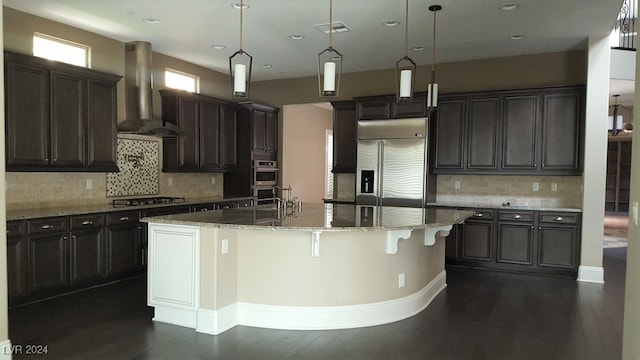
169,315
340,317
216,322
6,350
592,274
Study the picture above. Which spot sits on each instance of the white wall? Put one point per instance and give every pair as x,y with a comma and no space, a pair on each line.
303,150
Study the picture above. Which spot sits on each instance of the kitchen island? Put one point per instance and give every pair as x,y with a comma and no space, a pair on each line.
323,266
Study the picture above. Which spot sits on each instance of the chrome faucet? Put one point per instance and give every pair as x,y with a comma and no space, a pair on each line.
289,202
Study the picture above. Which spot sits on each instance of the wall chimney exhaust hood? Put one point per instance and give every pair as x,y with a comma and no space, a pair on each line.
138,95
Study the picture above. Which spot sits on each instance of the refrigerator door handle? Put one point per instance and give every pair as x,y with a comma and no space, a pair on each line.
380,169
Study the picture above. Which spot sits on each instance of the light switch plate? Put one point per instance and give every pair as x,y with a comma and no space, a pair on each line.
536,186
456,184
225,246
89,184
554,186
170,181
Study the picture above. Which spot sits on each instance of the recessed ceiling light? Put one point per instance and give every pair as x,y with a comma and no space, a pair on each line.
417,48
218,47
266,66
390,23
151,21
509,7
237,6
516,37
296,37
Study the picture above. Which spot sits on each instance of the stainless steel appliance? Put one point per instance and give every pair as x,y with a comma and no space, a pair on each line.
392,162
265,172
264,194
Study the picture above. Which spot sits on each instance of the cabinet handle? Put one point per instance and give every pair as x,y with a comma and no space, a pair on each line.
47,227
559,218
124,218
516,216
478,215
539,227
204,209
87,222
531,227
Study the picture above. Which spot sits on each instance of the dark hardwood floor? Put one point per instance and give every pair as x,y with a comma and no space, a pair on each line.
481,315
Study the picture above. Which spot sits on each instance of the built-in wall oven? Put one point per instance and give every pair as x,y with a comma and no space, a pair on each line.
265,173
264,194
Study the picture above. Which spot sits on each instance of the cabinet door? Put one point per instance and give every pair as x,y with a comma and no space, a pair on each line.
47,261
124,254
271,131
374,109
188,119
452,244
482,150
86,248
101,125
227,139
68,109
344,137
209,125
449,135
520,132
477,240
259,119
27,109
415,108
557,246
515,243
561,138
16,259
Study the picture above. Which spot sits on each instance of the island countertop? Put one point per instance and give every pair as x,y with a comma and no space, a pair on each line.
320,217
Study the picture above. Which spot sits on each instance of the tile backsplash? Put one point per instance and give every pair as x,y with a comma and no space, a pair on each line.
139,164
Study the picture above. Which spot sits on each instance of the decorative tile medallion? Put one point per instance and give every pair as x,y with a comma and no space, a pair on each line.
138,161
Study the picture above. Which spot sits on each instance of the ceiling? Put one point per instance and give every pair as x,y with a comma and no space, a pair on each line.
466,29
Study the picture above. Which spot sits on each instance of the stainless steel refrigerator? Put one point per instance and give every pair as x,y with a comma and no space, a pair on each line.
392,162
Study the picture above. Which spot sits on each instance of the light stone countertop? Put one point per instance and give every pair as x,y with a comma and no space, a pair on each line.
500,207
23,214
320,217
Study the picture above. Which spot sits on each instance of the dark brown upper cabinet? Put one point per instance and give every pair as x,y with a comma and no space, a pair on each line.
386,107
264,129
519,132
68,113
209,125
344,136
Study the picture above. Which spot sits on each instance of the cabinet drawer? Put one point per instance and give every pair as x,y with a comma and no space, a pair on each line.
124,217
523,216
15,228
54,224
559,218
86,221
482,215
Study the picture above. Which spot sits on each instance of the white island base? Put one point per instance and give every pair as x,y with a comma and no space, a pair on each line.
213,278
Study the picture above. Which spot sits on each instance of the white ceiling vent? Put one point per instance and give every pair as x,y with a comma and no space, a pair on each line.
338,27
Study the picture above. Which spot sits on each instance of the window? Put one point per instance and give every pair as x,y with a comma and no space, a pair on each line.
180,80
56,49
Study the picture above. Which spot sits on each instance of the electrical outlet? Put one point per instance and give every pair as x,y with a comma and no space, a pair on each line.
456,184
170,181
401,280
89,184
536,186
213,180
225,246
554,186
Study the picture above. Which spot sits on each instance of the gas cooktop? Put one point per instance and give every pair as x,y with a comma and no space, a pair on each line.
147,201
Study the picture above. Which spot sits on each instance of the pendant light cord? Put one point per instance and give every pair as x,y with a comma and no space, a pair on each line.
406,30
241,12
330,24
433,61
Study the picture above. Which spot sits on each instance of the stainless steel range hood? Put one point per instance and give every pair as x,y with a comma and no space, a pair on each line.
138,95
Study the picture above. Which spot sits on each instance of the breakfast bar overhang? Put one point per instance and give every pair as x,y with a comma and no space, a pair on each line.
324,266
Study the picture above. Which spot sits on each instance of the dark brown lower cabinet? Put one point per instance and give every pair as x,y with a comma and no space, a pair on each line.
16,259
123,251
47,261
477,237
522,241
86,248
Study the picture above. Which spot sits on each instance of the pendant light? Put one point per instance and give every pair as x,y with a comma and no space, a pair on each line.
240,66
405,67
432,88
329,64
